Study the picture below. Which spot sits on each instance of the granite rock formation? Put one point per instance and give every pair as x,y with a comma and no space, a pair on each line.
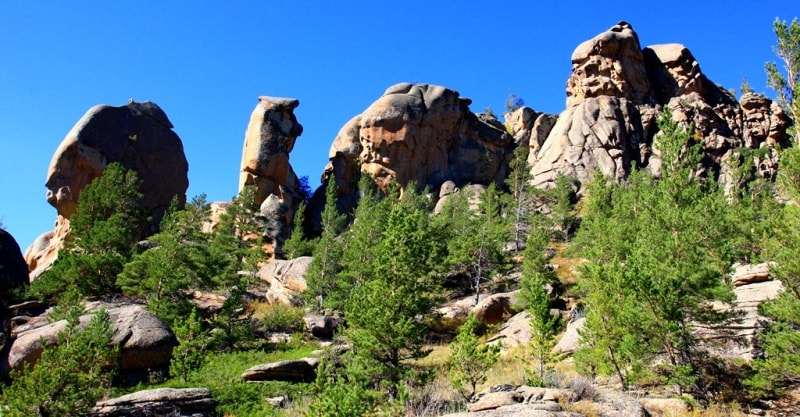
179,402
614,95
137,135
420,133
270,136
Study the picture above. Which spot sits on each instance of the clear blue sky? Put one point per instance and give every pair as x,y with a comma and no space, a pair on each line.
205,63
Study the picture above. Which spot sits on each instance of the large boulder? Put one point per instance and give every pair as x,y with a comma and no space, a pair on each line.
418,133
269,138
496,308
178,402
145,341
137,135
13,269
286,279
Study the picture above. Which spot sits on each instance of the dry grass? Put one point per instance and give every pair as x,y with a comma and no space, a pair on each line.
566,271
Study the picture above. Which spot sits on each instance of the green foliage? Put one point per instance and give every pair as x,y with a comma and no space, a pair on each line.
786,81
514,102
338,393
68,378
536,277
476,238
191,350
178,261
779,367
382,312
103,235
279,317
298,244
745,87
658,252
470,360
518,206
321,277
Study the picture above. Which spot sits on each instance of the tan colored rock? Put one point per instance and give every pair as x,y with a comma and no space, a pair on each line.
599,133
137,135
610,64
269,138
514,332
750,274
195,402
673,71
571,338
492,400
665,407
286,279
496,308
421,133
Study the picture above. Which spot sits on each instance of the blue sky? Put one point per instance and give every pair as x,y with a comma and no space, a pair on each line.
205,63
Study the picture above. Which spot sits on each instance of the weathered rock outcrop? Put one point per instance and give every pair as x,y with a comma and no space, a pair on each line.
137,135
183,402
13,269
614,95
286,279
145,340
270,137
421,133
300,370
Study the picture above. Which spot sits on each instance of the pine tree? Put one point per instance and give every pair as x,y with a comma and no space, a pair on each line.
536,277
298,243
177,262
658,253
321,277
470,360
190,352
103,235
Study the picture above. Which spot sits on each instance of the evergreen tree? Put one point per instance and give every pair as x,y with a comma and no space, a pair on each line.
536,277
298,243
321,277
69,378
779,367
103,235
658,254
190,352
470,360
178,261
382,313
520,192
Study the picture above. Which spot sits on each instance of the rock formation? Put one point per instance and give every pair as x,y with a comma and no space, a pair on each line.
137,135
145,341
270,136
300,370
614,95
13,270
421,133
286,279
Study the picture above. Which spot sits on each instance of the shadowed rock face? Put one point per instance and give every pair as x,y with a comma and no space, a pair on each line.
137,135
13,270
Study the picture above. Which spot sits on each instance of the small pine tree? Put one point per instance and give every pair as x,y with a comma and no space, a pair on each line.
321,277
470,361
787,84
190,352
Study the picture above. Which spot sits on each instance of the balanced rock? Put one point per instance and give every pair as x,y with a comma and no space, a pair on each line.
137,135
300,370
13,269
421,133
178,402
269,138
145,341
